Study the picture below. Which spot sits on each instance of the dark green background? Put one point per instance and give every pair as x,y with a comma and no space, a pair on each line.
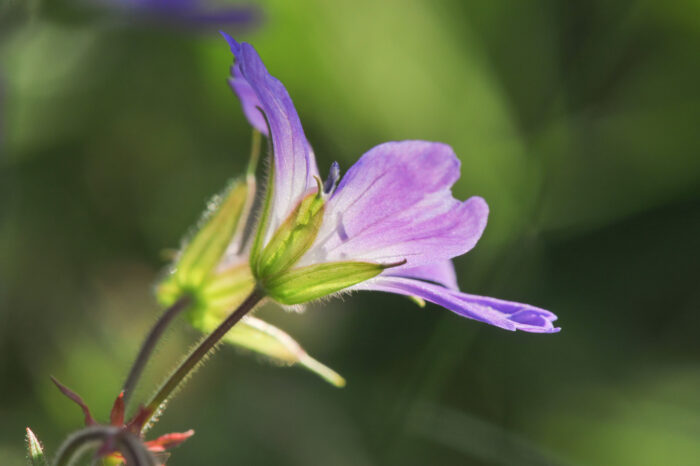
577,121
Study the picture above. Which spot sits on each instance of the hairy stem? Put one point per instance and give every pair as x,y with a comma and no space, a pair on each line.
201,350
150,342
75,445
129,445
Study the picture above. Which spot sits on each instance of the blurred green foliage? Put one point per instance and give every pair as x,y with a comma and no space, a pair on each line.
577,121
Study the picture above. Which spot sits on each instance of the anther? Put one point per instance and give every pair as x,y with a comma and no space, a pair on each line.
333,178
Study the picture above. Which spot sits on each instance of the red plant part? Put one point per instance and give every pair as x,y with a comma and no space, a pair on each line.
133,426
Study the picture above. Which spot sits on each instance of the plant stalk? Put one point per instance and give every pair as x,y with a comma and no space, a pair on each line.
75,445
150,342
202,349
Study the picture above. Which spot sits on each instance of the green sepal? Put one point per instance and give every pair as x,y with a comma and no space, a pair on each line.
35,452
316,281
225,217
292,239
204,251
222,293
260,337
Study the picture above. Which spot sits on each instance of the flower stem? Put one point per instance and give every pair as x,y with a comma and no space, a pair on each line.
150,342
75,445
201,350
128,444
134,451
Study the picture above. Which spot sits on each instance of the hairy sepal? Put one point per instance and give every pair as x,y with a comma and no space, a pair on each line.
292,239
200,256
35,451
308,283
222,293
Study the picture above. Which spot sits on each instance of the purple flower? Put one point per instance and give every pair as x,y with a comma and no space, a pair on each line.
195,13
393,211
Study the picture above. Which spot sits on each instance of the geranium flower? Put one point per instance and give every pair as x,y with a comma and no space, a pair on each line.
390,224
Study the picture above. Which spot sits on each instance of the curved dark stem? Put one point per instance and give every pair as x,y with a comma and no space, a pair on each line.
134,451
75,444
201,350
150,342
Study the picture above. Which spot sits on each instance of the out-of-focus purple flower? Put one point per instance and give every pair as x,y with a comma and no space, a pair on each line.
393,208
190,13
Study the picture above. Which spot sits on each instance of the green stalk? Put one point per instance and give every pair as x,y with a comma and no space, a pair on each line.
200,352
149,344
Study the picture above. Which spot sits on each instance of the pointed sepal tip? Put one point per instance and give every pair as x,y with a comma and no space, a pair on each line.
35,451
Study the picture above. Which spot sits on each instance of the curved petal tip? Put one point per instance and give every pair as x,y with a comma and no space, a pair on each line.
235,47
508,315
534,320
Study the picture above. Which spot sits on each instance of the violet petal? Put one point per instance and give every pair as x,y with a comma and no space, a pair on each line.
505,314
294,163
396,203
442,273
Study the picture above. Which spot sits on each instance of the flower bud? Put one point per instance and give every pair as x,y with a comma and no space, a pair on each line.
35,452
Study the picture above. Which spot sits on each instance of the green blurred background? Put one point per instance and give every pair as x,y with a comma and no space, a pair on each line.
577,121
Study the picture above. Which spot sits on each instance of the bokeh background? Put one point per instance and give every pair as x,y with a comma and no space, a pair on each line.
577,121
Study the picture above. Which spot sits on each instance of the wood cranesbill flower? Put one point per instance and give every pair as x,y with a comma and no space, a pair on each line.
390,224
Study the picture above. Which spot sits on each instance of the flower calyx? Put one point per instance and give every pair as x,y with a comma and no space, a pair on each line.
291,239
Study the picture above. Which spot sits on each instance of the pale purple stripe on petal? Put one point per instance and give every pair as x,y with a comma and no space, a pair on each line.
505,314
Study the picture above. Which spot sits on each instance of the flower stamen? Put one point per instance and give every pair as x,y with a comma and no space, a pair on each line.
332,181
